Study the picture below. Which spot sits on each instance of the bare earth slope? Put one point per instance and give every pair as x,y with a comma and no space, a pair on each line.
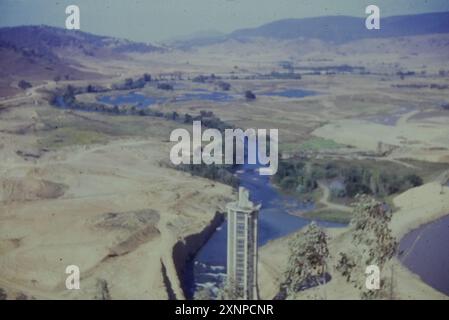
112,209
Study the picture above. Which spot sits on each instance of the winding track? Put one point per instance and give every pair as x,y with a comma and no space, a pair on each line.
325,200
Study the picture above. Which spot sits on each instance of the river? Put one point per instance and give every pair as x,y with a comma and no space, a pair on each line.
208,268
425,251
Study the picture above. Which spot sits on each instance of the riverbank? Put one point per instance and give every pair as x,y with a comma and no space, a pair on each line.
415,207
184,251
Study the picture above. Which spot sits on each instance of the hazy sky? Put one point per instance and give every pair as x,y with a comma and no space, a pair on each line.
156,20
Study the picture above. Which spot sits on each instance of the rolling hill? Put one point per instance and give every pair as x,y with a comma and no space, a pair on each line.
335,29
38,53
340,29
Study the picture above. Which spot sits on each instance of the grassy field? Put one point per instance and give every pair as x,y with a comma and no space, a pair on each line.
67,128
329,215
316,144
68,136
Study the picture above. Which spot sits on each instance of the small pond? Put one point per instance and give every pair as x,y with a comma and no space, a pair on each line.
138,99
291,93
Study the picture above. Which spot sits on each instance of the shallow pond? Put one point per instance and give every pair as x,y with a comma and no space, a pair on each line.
137,99
291,93
143,101
204,95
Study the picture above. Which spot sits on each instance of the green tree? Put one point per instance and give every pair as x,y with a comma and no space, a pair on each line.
249,95
24,85
414,180
307,264
372,243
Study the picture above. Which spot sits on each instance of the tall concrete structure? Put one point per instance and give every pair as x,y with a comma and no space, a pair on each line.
242,246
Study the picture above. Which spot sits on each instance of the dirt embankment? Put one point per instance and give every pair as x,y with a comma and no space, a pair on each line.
118,219
185,249
133,229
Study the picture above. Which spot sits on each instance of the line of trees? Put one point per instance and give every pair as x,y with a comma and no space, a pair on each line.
219,173
302,177
131,84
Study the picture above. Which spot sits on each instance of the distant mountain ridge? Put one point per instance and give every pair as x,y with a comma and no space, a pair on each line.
341,29
336,29
201,38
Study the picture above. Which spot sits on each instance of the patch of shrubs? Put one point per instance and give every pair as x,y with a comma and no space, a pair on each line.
164,86
225,86
220,173
24,85
249,95
203,79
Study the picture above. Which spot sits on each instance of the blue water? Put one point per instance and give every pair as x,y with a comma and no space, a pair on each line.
138,99
60,102
291,93
204,95
425,251
208,268
143,101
